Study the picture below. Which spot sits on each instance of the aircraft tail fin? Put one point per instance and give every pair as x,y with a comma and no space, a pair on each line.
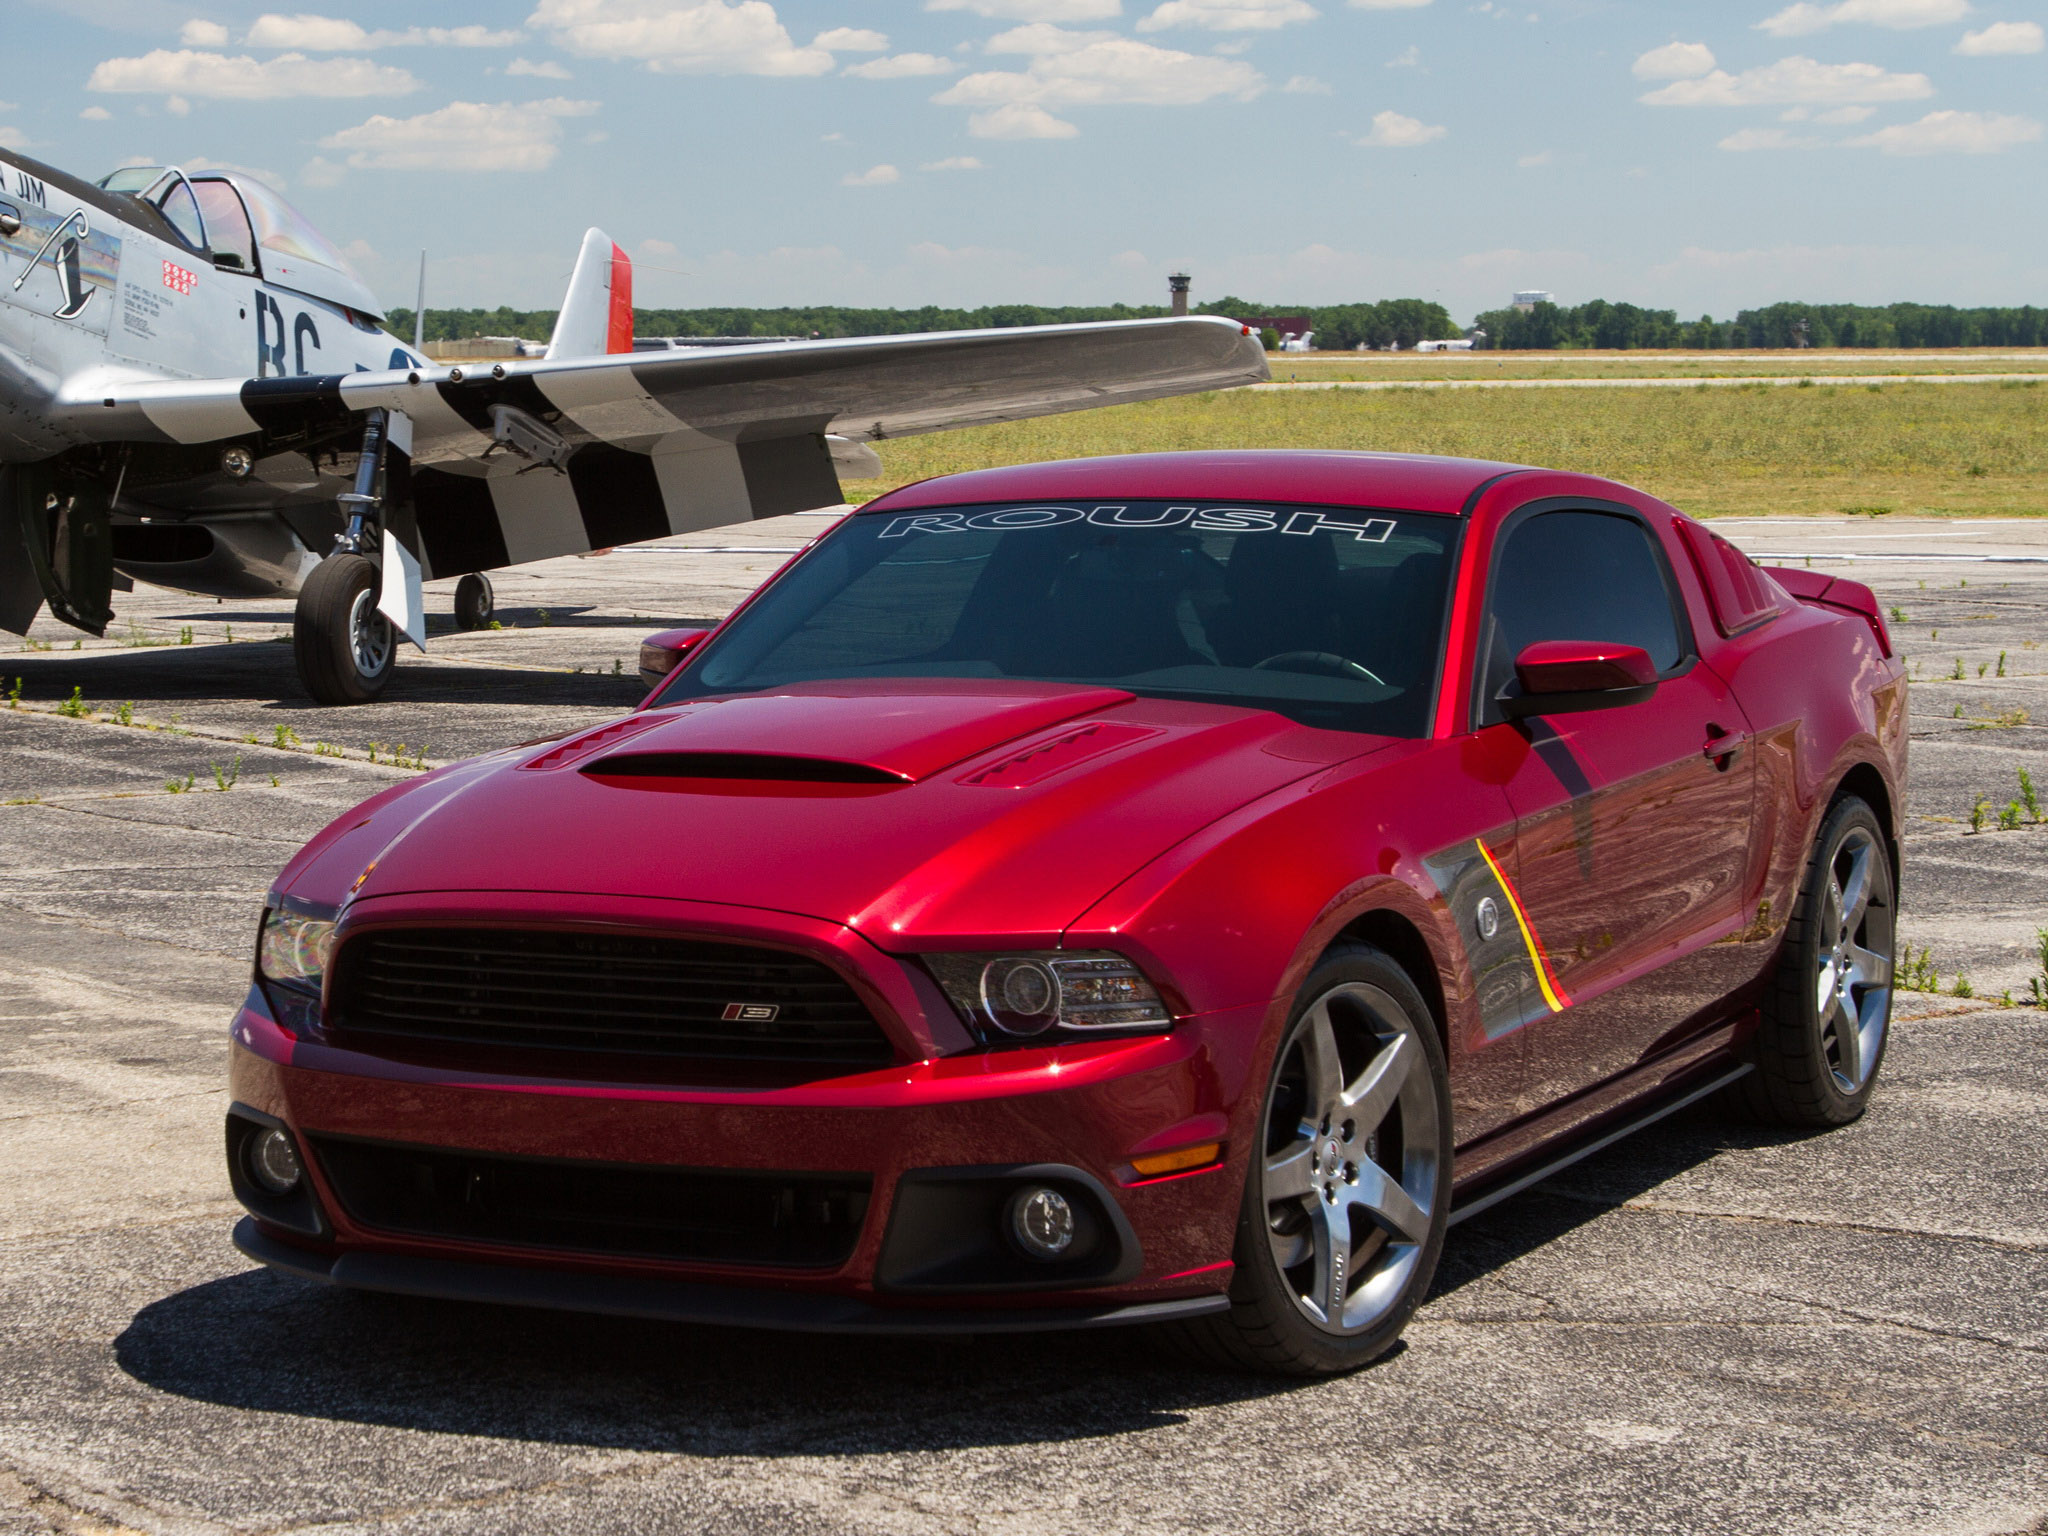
597,311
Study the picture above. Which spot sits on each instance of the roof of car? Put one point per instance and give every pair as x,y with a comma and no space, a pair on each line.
1417,482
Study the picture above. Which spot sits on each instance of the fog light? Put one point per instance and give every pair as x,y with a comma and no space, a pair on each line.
274,1162
1041,1221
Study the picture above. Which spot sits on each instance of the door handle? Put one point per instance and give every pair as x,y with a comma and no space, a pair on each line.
1723,746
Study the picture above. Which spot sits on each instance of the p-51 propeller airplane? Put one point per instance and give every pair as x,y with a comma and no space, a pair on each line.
195,392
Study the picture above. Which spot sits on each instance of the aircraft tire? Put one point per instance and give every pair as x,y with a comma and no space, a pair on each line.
345,648
474,601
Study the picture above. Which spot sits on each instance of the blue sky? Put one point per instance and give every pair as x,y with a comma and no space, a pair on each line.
1687,155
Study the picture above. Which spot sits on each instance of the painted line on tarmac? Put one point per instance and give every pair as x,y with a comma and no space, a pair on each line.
1835,554
1775,381
709,549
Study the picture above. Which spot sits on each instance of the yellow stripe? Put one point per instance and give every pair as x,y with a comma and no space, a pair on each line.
1528,937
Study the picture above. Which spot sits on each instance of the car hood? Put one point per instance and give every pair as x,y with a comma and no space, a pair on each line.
949,812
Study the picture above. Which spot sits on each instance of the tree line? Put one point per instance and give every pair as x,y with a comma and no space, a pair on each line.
1622,327
1342,327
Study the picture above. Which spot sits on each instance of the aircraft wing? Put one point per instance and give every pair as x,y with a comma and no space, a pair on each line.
522,460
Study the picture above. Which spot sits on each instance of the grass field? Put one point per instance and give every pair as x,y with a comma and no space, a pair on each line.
1979,449
1332,366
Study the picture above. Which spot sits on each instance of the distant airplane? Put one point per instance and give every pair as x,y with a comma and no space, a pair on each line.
195,392
1462,344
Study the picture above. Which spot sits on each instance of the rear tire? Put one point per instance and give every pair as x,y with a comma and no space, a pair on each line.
1348,1190
1827,1013
474,601
345,648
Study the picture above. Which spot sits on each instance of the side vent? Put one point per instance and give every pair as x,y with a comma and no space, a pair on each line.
1043,759
759,766
592,741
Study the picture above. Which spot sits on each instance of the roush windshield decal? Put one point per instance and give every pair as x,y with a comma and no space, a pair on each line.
1198,519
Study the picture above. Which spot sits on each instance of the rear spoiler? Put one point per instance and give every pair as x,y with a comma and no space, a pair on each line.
1836,592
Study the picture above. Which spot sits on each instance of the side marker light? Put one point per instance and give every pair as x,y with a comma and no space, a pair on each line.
1197,1156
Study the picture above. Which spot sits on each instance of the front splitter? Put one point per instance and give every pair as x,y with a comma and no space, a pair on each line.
685,1301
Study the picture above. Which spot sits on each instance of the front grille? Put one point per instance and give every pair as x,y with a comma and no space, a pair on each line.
585,1003
626,1210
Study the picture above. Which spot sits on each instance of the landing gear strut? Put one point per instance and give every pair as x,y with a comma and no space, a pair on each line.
344,647
474,601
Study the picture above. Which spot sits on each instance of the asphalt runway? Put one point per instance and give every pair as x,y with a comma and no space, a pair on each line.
1709,1328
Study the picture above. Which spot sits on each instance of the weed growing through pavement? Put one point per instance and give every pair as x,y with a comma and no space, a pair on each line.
224,778
1957,675
2001,663
2009,819
14,695
1898,615
1962,987
327,749
1978,813
35,645
1916,973
2027,795
283,736
2004,721
125,715
138,636
185,634
177,787
1983,667
273,781
75,707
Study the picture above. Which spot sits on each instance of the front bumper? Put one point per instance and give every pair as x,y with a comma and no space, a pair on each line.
1089,1109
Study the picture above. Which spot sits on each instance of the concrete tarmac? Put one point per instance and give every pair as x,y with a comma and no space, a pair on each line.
1709,1328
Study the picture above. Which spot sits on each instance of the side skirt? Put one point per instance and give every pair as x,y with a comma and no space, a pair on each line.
1521,1181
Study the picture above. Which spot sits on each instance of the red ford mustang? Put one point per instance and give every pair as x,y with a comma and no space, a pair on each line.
1158,889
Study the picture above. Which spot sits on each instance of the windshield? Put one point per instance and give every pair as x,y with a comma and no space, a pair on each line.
282,228
1332,616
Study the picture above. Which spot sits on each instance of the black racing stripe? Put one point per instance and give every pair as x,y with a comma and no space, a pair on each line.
789,474
473,397
458,523
618,495
295,407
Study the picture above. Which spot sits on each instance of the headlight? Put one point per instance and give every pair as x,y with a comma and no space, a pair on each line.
292,952
1028,996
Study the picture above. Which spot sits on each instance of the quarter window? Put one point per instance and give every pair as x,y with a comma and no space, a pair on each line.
1578,576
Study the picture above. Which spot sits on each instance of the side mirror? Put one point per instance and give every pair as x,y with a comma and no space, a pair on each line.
1555,677
663,652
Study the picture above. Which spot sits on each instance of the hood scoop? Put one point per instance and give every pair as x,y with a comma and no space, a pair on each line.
758,767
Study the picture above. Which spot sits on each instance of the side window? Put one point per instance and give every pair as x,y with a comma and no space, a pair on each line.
227,226
1577,576
182,209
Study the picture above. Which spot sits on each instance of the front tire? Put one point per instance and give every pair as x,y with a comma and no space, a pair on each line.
1827,1015
345,648
1348,1194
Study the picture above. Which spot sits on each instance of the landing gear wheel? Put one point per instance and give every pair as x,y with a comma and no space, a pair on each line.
344,647
1828,1011
1348,1194
474,601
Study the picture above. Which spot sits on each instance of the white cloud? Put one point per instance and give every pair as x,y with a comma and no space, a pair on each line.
653,247
332,34
462,136
177,106
1134,261
681,37
1899,15
1765,138
1229,15
901,66
1017,121
546,69
1953,133
852,40
1844,114
1408,58
14,138
1306,85
1391,130
1530,162
322,172
1797,79
1674,61
191,73
203,34
1033,10
954,163
2002,37
1088,69
873,176
96,114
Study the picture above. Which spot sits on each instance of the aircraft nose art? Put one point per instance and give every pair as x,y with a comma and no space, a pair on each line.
59,264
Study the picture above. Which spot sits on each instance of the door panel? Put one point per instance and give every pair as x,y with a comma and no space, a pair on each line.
1631,848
